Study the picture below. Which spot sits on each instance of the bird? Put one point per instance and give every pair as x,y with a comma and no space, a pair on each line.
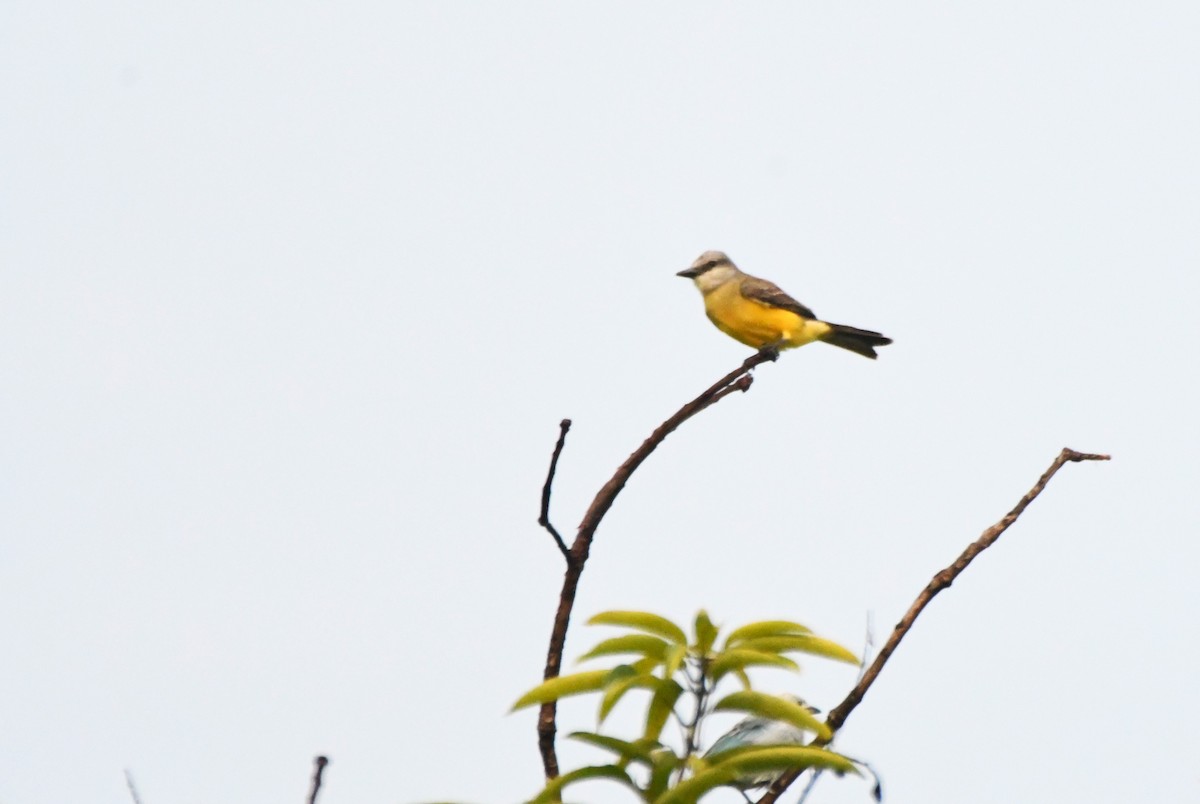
761,731
757,730
757,313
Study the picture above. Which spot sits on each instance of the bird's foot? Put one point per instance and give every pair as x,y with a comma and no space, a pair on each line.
771,350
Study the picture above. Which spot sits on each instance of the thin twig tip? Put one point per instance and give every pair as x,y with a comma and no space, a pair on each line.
1072,455
319,764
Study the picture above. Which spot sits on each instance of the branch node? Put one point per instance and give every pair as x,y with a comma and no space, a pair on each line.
768,353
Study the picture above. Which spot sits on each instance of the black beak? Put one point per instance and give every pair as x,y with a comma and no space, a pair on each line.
690,273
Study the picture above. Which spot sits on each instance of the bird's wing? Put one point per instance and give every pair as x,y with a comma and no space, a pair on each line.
768,293
743,733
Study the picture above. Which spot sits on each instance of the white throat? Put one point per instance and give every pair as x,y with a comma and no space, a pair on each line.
713,278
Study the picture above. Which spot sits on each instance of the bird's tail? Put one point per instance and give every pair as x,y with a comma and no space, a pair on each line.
862,341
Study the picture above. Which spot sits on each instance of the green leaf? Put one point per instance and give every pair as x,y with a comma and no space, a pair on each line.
646,664
667,692
706,633
802,643
773,707
562,687
622,672
649,646
744,678
690,790
740,659
665,764
640,751
674,660
742,762
614,692
553,789
765,628
642,621
790,757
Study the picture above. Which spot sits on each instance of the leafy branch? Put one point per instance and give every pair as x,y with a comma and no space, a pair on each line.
670,665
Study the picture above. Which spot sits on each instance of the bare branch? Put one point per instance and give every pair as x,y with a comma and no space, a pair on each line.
544,518
839,714
736,380
132,787
318,768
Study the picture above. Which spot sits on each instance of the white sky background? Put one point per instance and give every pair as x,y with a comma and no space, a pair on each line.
294,295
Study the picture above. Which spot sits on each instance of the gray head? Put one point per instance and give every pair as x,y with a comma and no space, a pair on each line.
706,262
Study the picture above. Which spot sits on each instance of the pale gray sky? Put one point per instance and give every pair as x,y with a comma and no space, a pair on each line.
293,297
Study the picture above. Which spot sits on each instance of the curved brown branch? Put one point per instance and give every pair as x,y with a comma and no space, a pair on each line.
577,556
544,517
318,768
839,714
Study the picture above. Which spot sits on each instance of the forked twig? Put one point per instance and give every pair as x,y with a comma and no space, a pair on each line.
544,518
577,555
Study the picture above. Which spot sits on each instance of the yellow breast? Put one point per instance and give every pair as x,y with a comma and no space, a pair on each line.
756,324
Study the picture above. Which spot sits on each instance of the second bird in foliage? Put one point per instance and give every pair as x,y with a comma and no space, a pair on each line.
757,313
760,731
